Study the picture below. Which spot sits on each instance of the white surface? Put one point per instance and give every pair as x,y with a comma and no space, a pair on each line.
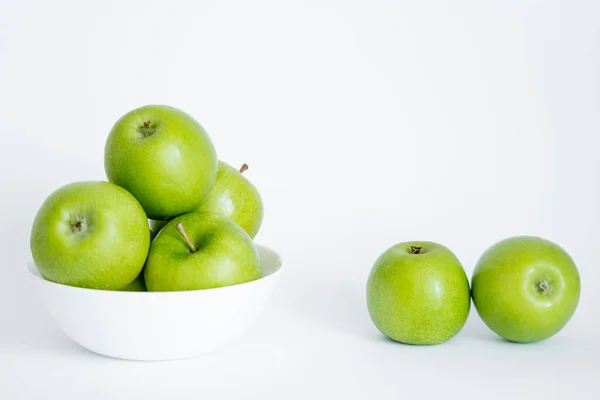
158,326
364,124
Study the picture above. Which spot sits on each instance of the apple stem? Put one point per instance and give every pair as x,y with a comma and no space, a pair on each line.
186,237
243,168
147,129
416,249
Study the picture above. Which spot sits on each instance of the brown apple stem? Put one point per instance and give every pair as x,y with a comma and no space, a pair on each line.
146,128
415,249
244,167
186,237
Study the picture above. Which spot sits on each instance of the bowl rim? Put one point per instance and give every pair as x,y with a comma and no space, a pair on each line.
30,264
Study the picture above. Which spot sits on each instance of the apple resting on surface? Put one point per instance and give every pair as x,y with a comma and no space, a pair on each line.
234,197
418,293
163,157
525,288
200,251
90,234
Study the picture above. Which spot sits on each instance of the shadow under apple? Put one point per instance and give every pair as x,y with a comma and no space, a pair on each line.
341,306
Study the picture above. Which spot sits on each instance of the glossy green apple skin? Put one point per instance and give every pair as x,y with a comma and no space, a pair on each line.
90,234
525,288
420,298
169,167
138,284
225,255
234,197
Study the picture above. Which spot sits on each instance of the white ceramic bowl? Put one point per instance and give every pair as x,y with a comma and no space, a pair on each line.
158,325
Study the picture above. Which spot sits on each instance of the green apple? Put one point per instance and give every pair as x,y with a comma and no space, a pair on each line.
234,197
418,293
200,251
90,234
138,284
163,157
525,288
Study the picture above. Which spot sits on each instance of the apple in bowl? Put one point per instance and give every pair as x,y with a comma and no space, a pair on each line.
158,325
92,263
90,234
232,196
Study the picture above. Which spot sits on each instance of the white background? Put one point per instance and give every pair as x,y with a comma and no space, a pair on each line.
364,123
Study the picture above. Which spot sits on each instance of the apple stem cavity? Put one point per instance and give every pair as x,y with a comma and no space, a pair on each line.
416,249
543,287
147,129
243,168
179,227
79,226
